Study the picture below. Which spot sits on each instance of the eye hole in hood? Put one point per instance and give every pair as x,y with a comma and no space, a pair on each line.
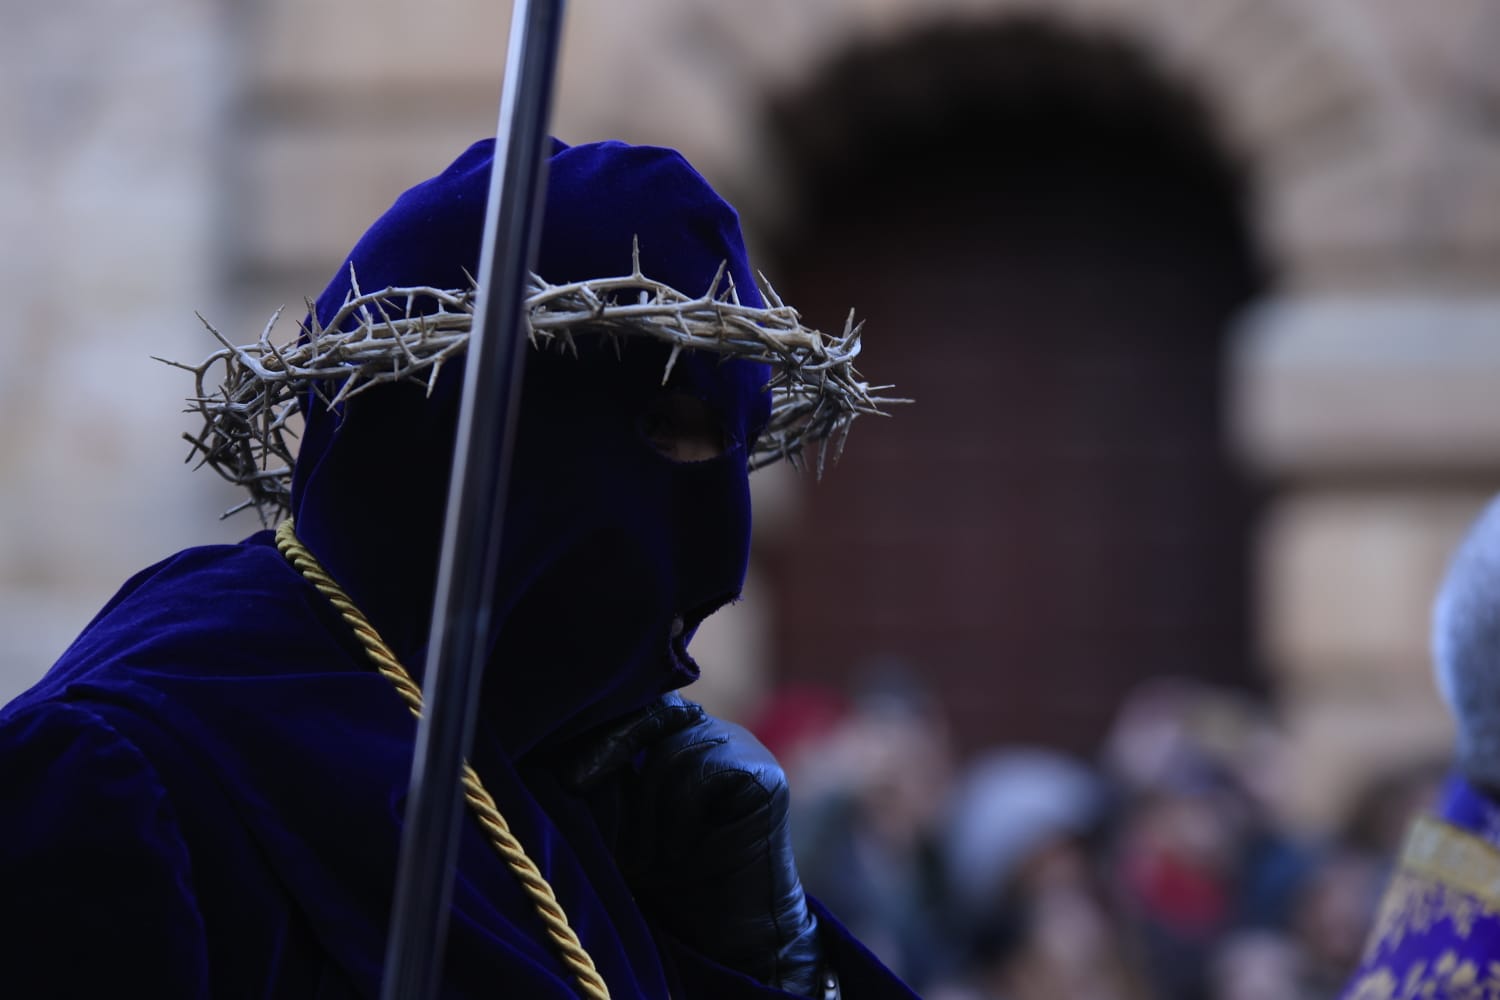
682,427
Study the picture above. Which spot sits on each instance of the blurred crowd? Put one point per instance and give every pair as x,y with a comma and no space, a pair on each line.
1160,870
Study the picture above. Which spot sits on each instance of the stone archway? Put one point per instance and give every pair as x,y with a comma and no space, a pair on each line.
1052,249
1298,96
1362,395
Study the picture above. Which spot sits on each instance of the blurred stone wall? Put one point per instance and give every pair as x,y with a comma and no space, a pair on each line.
225,160
111,119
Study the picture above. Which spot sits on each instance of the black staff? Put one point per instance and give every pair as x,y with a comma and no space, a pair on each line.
459,638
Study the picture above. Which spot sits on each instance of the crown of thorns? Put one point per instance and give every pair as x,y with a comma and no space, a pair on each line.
407,334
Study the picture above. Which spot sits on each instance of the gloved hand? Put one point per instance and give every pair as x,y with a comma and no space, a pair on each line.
705,842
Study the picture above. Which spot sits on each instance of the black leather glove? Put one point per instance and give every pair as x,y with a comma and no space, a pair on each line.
705,843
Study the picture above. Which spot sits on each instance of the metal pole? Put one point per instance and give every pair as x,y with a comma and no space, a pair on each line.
459,637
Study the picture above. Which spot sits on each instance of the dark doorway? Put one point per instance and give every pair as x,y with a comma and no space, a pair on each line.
1048,248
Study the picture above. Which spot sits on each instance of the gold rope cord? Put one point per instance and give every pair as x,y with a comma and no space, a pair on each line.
569,948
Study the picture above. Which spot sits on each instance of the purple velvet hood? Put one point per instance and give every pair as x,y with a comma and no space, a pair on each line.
607,543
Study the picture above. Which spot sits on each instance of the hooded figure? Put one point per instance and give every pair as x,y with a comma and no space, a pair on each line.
205,795
1437,931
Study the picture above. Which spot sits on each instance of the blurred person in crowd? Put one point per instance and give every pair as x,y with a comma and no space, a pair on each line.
1259,965
800,723
1388,801
1334,911
207,793
1025,884
1437,933
1200,853
1177,864
866,819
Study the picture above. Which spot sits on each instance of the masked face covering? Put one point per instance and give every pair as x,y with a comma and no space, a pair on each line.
614,547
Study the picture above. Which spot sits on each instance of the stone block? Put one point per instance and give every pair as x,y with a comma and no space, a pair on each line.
309,189
1346,582
1340,743
1442,50
1378,384
377,45
1412,208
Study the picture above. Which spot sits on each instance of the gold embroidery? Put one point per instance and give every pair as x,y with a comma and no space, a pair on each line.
1414,904
1449,978
1445,875
1454,857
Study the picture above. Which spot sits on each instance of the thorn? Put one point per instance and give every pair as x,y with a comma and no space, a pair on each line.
713,286
276,353
355,291
237,508
217,335
345,390
671,361
175,364
769,291
838,451
265,333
